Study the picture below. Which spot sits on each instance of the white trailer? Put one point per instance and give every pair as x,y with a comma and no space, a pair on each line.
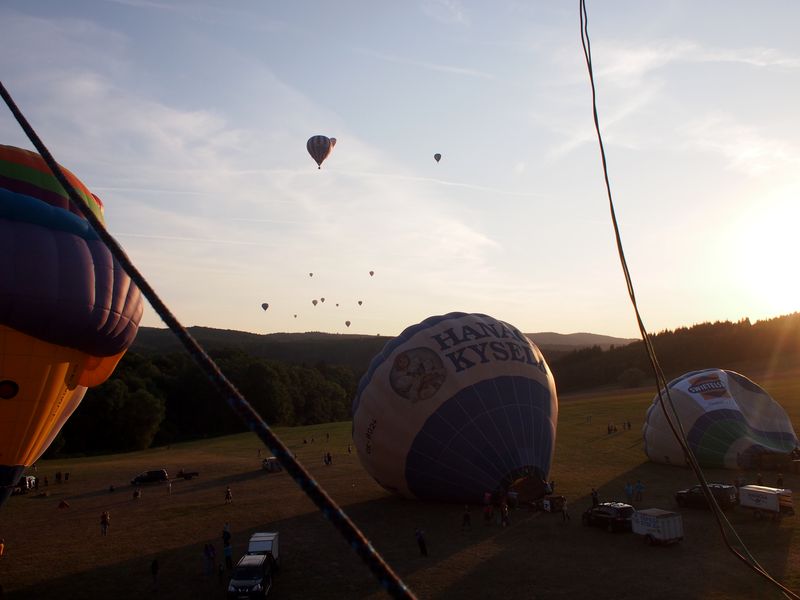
658,526
266,543
763,500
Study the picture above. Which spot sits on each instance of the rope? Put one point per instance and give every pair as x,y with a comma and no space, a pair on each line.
671,415
388,579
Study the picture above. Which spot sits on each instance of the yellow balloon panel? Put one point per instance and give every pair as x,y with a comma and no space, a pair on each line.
47,383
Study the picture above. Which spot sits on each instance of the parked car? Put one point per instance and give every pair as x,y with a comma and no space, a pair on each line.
157,476
724,494
614,516
271,465
252,577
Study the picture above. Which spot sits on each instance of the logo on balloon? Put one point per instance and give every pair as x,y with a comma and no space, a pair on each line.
417,374
709,387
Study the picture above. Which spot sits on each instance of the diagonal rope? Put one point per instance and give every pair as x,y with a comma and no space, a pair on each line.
670,414
388,579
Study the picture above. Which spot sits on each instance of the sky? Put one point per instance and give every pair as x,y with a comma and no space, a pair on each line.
189,119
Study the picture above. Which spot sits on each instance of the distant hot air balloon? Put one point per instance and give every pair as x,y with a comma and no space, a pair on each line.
347,323
437,157
68,311
322,299
314,302
265,306
295,316
337,304
310,274
729,421
371,273
319,147
360,302
457,406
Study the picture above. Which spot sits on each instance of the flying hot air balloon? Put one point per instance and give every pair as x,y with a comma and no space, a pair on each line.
457,406
437,157
265,306
347,323
319,147
360,302
730,422
68,311
371,273
322,300
295,316
310,274
314,302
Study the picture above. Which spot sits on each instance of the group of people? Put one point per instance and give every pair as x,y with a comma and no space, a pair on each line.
327,459
612,427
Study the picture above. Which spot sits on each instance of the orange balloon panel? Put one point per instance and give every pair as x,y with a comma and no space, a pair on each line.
42,386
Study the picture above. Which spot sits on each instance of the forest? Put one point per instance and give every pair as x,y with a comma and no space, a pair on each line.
157,395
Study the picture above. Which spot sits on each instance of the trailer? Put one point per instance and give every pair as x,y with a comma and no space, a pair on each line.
658,526
763,500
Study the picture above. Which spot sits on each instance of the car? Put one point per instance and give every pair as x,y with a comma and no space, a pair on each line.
156,476
25,484
251,578
271,465
613,516
725,495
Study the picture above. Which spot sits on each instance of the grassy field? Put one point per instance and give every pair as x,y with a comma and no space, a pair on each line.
59,553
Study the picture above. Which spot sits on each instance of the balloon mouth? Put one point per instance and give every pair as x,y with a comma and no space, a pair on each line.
8,389
527,482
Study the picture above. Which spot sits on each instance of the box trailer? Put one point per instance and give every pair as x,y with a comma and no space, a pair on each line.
265,543
658,526
763,500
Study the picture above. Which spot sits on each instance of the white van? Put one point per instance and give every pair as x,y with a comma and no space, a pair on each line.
658,526
266,543
766,500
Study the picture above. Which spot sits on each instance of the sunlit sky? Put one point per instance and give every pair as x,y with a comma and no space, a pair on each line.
190,119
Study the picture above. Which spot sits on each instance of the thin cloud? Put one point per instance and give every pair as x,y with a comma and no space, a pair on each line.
465,71
449,12
443,182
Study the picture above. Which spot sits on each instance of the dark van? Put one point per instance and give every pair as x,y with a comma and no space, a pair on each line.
252,577
157,476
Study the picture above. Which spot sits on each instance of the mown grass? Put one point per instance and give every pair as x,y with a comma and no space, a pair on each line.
53,553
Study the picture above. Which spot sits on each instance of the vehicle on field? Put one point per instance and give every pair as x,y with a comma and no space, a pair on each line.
155,476
613,516
187,475
266,543
251,578
271,465
658,526
693,497
763,501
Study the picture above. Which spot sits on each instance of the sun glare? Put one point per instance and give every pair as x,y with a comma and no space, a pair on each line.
768,253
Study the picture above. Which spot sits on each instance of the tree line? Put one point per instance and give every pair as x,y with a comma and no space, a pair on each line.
159,398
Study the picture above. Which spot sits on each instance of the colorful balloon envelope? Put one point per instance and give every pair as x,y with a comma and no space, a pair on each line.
455,407
68,311
729,422
319,147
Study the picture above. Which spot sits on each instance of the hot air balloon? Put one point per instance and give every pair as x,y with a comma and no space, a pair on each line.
371,273
437,157
319,147
729,421
265,306
347,323
310,274
68,311
457,406
295,316
360,302
322,299
337,304
314,302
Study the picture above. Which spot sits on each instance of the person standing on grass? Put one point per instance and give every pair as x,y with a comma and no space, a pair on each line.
466,519
629,492
226,535
228,495
228,552
154,572
638,490
564,511
595,498
105,522
423,546
2,547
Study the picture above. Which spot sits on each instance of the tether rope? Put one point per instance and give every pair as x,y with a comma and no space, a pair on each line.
388,579
662,385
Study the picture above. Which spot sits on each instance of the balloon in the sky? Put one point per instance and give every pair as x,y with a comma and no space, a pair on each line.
322,299
347,323
68,311
437,157
371,273
337,304
360,302
310,274
729,421
265,306
314,302
455,407
319,147
295,316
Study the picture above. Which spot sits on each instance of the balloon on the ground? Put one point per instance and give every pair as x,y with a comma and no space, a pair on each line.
319,147
265,306
437,157
729,421
68,311
455,407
